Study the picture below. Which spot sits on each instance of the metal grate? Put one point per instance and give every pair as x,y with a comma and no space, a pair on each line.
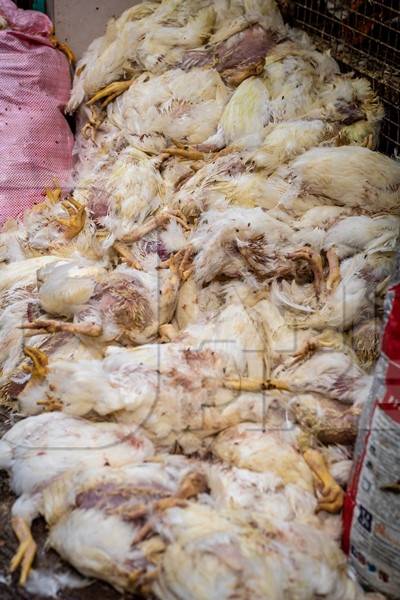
364,37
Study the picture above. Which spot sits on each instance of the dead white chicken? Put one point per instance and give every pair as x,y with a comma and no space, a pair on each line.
293,72
125,305
103,520
236,242
348,176
12,246
243,119
244,34
189,388
18,297
178,105
237,17
360,286
287,88
354,109
122,193
197,303
58,224
328,372
38,450
350,236
281,142
108,53
225,554
232,487
281,448
149,36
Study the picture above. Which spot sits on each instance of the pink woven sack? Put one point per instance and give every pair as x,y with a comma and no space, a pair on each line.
35,138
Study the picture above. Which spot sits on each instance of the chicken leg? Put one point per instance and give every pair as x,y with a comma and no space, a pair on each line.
180,263
123,251
26,549
315,260
324,340
331,494
75,222
246,384
189,153
40,362
110,92
63,47
95,119
53,326
334,270
157,221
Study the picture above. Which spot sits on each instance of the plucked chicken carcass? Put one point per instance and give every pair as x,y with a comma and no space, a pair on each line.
214,278
39,450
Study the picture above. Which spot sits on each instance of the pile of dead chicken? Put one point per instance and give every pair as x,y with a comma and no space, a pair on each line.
190,332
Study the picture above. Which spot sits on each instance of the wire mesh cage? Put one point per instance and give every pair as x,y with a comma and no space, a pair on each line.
364,37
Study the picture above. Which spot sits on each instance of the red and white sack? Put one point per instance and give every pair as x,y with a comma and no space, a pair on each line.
372,505
35,138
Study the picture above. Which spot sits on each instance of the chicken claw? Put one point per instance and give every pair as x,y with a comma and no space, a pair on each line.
122,249
53,326
26,549
53,194
64,48
315,260
324,340
40,362
95,119
75,222
185,152
157,221
331,495
334,270
110,92
180,263
50,404
245,384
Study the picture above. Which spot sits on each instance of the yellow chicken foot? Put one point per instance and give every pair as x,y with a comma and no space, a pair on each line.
154,223
334,270
331,494
64,48
315,260
245,384
39,369
189,153
123,251
327,339
94,121
52,326
180,263
50,404
75,222
26,549
53,194
113,89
